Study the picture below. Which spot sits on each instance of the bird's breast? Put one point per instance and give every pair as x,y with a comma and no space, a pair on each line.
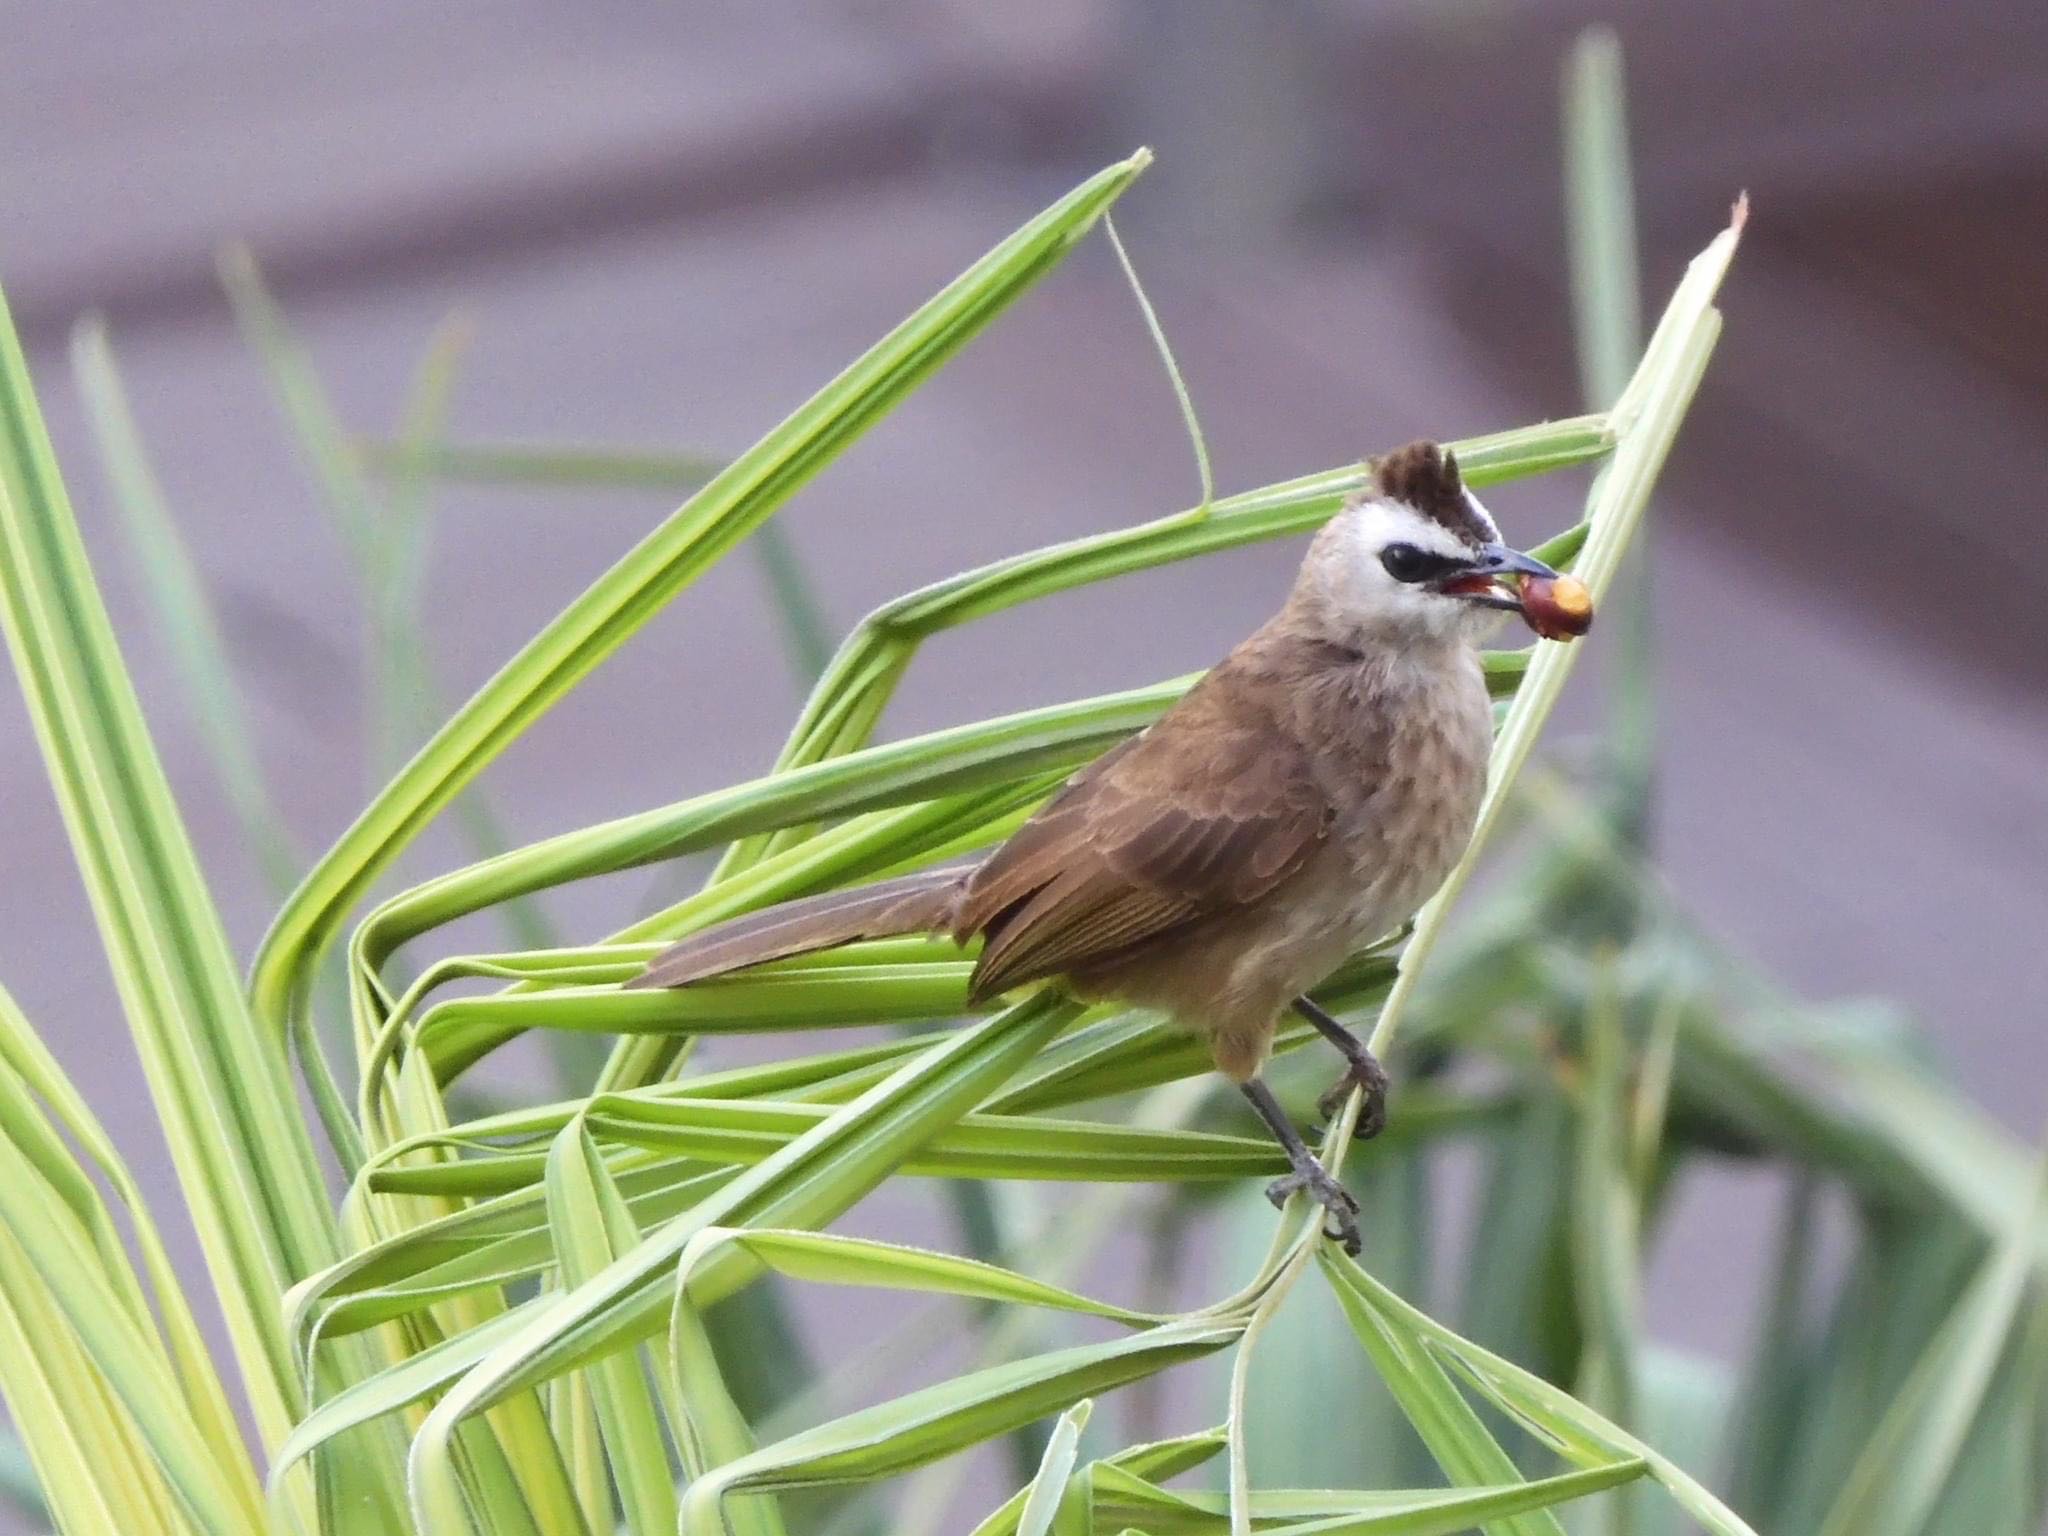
1416,802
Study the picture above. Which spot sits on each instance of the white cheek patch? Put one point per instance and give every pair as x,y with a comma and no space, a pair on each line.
1394,608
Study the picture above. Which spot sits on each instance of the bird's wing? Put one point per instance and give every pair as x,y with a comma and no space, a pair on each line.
1208,810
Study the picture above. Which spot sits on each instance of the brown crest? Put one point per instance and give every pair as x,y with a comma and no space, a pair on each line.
1425,477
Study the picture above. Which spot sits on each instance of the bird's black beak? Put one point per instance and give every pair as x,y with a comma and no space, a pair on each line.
1478,580
1556,607
1496,558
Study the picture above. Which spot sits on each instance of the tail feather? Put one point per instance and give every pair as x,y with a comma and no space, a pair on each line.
919,903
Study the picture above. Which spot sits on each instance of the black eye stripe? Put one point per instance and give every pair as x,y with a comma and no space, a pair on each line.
1408,563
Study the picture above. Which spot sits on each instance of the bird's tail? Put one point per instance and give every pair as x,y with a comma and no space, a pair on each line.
919,903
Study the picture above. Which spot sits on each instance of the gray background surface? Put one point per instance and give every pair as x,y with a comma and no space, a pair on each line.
665,226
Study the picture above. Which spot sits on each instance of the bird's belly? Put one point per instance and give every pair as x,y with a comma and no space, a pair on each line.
1229,981
1312,936
1392,846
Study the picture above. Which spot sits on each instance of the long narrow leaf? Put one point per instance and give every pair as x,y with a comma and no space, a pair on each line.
241,1150
917,1427
185,616
623,599
1578,1432
1895,1484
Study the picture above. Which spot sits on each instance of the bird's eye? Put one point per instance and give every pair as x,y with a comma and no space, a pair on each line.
1404,562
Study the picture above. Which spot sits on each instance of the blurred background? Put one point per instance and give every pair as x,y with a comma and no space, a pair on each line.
662,227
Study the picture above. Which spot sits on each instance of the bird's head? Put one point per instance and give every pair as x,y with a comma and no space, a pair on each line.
1417,559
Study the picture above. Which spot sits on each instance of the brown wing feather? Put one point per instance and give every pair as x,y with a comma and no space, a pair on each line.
1208,810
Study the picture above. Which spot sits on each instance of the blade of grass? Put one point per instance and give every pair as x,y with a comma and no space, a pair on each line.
1448,1424
1600,218
917,1427
1204,480
1327,1512
731,505
91,1464
709,1427
542,465
35,1085
1778,1375
1048,1490
1896,1482
686,1133
1145,1463
191,633
1576,1431
1605,1244
808,1182
115,1389
224,1098
592,1228
1600,227
184,614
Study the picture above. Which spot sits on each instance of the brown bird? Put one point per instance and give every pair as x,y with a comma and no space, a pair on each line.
1301,801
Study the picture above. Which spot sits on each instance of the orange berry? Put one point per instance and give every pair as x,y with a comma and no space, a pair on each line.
1557,609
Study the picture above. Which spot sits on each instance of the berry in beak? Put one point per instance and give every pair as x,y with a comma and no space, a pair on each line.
1555,606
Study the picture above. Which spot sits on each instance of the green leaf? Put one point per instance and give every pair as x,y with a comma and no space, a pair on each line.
112,1389
619,602
1895,1484
1324,1512
917,1427
1600,217
1779,1373
687,1131
1600,230
185,620
243,1157
1157,1460
710,1430
1449,1426
1605,1244
592,1228
37,1102
809,1181
572,467
1575,1430
1048,1490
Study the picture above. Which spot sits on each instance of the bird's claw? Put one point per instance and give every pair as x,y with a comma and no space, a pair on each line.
1369,1076
1340,1206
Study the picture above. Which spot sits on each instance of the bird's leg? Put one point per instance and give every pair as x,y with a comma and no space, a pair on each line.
1362,1070
1340,1209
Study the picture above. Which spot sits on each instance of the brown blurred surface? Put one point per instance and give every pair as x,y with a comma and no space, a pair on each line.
666,230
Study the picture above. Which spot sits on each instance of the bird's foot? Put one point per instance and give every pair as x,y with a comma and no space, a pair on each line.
1340,1207
1366,1073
